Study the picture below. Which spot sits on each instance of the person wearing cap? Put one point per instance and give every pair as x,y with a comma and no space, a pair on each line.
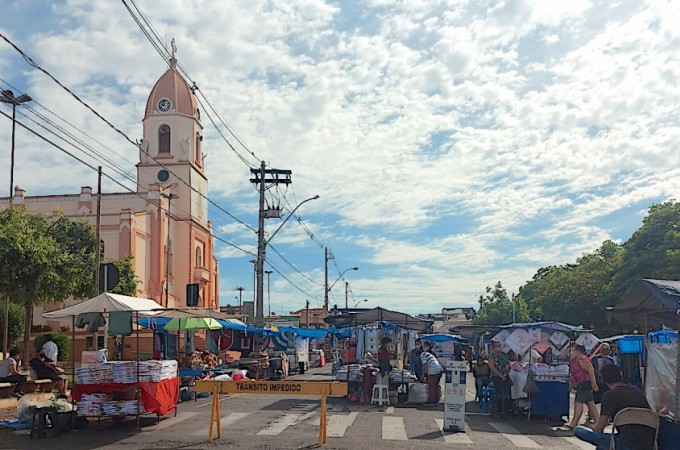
384,356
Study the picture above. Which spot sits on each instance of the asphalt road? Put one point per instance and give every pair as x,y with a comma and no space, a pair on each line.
280,422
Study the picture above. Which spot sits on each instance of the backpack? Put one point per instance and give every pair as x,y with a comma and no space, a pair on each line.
598,363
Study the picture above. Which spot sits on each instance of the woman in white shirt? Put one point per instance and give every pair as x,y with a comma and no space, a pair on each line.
432,371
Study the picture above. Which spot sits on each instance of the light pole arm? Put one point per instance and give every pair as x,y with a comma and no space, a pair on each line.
289,216
347,270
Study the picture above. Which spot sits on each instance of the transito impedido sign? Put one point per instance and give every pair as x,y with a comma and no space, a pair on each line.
334,389
308,388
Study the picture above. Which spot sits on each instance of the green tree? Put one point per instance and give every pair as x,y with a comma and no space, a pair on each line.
496,307
44,261
16,327
127,284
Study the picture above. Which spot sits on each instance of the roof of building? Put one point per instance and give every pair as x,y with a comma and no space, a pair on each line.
173,87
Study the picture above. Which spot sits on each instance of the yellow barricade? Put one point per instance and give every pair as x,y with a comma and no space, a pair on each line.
324,389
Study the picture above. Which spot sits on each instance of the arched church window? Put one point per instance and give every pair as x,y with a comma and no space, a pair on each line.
197,154
164,139
199,257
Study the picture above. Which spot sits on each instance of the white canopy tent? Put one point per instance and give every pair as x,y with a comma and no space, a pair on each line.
108,302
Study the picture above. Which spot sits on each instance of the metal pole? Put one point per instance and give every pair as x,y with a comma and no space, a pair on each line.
261,252
167,250
346,289
98,248
11,166
269,297
325,290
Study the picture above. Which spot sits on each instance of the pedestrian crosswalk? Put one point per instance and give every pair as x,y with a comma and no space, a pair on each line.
390,425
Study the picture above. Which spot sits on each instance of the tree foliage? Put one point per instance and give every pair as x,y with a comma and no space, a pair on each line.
579,293
44,261
127,284
496,307
63,344
16,326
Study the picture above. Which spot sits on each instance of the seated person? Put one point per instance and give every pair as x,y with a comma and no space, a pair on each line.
619,396
47,370
209,360
9,371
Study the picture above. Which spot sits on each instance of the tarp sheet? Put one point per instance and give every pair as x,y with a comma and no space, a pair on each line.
108,302
304,332
550,325
660,383
379,314
652,302
444,338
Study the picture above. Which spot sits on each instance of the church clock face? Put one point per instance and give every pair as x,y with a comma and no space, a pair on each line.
163,175
164,105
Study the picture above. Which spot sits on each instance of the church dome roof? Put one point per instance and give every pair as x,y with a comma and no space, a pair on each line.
171,86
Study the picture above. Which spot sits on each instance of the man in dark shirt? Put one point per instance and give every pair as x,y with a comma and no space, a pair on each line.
620,396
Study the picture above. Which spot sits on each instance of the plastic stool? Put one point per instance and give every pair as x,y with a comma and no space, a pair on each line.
381,395
45,420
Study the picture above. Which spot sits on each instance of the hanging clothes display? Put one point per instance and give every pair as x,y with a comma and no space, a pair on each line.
120,323
92,320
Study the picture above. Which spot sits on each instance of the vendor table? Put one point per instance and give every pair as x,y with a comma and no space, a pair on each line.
157,397
552,399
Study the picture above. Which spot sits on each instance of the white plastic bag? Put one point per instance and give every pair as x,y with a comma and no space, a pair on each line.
417,393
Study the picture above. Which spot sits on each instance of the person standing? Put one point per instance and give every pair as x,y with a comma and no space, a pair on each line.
432,371
582,379
9,371
482,374
414,360
618,397
384,357
599,362
500,369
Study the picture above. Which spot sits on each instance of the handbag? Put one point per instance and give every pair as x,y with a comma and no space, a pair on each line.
530,387
584,386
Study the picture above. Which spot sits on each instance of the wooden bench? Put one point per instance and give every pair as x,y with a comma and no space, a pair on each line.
31,386
6,389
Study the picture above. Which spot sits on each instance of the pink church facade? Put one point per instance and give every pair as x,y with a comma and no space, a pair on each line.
164,237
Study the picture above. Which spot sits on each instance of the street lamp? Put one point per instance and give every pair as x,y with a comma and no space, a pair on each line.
170,198
269,297
7,96
261,253
359,301
328,288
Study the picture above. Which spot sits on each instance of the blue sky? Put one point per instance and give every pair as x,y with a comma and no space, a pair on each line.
453,144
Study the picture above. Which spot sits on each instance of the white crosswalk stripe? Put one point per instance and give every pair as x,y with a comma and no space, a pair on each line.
393,428
578,442
278,426
454,438
514,436
338,424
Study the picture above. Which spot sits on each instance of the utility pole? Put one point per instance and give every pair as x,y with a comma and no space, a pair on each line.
307,312
327,255
240,299
276,176
98,248
346,289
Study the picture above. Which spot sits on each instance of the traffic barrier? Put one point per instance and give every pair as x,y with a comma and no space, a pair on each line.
308,388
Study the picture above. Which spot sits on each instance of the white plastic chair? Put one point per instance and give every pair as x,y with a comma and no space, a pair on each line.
636,416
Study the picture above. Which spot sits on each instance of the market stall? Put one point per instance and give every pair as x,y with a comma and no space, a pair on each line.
550,372
126,396
362,332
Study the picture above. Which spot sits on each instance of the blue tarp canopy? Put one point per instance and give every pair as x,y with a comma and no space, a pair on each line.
343,333
158,323
304,332
444,338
